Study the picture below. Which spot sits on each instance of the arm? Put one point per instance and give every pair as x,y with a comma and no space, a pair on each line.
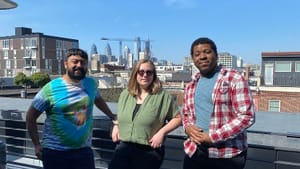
157,140
101,104
31,117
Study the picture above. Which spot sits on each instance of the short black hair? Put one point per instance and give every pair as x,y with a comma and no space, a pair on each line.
204,40
76,51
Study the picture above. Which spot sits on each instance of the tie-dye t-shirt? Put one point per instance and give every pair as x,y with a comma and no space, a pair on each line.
68,107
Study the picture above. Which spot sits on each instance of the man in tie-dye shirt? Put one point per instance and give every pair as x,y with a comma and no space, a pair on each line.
68,102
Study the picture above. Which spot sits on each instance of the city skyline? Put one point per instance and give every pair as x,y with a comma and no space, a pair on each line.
244,29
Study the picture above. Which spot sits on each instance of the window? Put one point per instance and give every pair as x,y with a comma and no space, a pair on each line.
11,44
27,63
33,63
33,42
48,64
33,54
268,74
43,42
8,64
5,54
58,44
297,67
28,53
74,45
5,44
283,66
22,43
274,105
15,63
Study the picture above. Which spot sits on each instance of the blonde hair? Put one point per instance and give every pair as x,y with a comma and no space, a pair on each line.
133,86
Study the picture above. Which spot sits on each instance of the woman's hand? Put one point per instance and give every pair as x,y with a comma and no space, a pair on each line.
157,140
115,135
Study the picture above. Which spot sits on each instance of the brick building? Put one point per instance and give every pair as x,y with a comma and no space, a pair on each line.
277,99
279,88
29,52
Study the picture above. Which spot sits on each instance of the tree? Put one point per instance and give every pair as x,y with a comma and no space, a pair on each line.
22,80
40,79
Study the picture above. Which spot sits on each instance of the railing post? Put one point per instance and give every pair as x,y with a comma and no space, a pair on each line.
2,155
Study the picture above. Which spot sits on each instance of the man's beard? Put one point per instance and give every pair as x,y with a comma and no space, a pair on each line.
74,76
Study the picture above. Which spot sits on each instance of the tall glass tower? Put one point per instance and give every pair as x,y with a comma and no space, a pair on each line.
137,47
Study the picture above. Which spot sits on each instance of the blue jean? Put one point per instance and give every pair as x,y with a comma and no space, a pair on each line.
136,156
72,159
200,160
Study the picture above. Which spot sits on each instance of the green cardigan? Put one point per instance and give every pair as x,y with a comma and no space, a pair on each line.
153,114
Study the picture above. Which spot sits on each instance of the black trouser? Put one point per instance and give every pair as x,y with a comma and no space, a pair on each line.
200,160
136,156
82,158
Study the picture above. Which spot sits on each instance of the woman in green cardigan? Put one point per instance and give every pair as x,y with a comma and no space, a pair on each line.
146,114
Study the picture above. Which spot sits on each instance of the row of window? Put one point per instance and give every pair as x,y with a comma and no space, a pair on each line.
279,66
33,43
27,42
28,53
286,66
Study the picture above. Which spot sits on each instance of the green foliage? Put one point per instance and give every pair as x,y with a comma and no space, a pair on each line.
40,79
37,79
22,80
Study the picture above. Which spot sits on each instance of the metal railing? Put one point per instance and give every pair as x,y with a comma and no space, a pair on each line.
20,152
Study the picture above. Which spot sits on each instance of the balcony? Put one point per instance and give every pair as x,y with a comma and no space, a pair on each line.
27,66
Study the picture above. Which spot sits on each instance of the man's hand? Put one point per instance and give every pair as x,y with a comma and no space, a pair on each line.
197,135
38,151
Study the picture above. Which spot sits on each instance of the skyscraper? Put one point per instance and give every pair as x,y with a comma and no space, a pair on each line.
125,56
108,50
94,50
137,47
147,51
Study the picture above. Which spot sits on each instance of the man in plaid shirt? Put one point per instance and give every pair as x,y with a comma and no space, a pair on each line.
217,110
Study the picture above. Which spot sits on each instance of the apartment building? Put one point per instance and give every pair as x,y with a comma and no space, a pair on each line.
227,60
279,89
281,69
31,52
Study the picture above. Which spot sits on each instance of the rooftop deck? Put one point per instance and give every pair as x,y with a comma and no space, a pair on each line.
274,140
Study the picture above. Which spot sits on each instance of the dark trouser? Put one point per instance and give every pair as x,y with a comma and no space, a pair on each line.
200,160
136,156
72,159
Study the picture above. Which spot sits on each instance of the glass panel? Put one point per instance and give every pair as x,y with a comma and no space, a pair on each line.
297,67
274,105
282,67
268,74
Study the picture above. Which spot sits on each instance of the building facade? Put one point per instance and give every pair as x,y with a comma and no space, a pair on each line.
280,69
227,60
30,52
279,87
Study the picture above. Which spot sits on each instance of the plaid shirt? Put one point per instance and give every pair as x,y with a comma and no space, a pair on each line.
232,114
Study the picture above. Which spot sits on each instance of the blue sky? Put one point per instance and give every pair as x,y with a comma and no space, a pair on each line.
241,27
